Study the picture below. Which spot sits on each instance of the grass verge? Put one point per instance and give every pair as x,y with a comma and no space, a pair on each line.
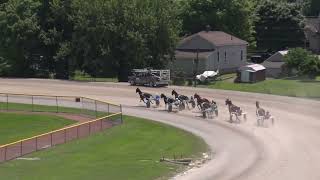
130,151
294,88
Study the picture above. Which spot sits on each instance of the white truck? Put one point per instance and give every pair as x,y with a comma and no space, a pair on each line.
149,77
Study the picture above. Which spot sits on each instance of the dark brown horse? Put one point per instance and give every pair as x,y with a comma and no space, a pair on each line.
200,100
144,96
168,102
184,99
233,110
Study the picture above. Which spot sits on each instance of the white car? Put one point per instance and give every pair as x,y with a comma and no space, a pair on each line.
207,75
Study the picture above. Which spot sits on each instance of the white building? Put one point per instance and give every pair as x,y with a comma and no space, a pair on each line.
215,50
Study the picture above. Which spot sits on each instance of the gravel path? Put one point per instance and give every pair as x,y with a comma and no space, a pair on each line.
289,150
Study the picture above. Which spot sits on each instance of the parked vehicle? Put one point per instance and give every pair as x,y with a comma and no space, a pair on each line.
149,77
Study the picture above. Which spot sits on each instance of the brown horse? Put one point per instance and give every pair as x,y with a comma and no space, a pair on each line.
233,110
200,100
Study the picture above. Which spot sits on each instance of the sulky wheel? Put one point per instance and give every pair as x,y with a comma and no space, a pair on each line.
170,108
193,104
204,114
217,112
181,107
157,102
245,117
148,104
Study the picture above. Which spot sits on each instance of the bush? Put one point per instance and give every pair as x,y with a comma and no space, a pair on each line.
303,62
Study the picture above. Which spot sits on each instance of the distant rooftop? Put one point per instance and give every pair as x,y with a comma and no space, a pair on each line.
208,41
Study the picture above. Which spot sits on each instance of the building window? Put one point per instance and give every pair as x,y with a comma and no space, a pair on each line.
218,56
225,56
241,55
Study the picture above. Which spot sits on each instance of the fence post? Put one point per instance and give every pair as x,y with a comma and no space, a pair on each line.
36,143
82,106
65,135
57,104
95,108
121,114
7,102
5,153
50,139
32,103
77,132
21,148
108,109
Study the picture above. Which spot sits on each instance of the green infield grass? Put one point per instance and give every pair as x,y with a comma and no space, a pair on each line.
130,151
17,126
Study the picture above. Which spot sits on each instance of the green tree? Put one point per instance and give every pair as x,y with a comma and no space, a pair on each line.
279,25
303,61
113,36
310,66
56,35
19,36
312,8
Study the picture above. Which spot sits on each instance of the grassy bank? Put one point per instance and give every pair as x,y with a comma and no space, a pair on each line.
14,127
131,151
285,87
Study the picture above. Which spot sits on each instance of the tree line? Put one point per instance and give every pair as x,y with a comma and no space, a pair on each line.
54,38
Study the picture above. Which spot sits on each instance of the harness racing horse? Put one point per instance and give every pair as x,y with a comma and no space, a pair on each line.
184,99
262,115
169,101
147,98
209,108
234,110
200,100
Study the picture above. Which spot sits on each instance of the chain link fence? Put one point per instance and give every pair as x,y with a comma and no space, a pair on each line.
105,115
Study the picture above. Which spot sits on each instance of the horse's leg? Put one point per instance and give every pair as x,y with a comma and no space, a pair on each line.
237,118
187,105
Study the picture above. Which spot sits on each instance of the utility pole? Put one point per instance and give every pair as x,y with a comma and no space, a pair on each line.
196,64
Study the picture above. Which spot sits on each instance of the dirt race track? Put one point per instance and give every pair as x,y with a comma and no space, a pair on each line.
288,150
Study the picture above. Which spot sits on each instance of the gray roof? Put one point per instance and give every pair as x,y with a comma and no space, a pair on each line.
192,55
273,65
208,40
252,68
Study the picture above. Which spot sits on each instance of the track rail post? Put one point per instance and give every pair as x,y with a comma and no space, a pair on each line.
32,104
95,108
57,104
121,120
7,104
